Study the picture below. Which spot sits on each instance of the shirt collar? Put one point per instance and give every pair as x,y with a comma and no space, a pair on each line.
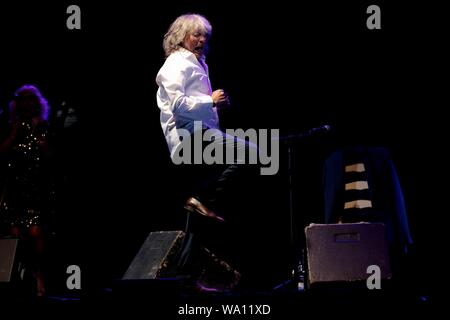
189,55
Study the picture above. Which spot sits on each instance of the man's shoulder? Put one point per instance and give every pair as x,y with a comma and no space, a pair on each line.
177,61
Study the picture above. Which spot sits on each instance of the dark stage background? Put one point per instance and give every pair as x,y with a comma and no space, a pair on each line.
286,65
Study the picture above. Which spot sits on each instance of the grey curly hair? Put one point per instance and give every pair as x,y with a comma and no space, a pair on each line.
182,26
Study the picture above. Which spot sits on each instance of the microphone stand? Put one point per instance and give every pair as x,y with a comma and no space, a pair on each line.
294,280
298,271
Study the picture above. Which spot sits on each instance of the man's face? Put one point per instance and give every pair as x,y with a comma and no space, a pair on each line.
196,43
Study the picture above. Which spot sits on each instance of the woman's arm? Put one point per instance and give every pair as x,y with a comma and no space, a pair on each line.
7,143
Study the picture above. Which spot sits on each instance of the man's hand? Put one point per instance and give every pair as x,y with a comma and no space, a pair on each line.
220,98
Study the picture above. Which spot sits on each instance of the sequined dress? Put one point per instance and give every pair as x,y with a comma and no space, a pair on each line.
26,188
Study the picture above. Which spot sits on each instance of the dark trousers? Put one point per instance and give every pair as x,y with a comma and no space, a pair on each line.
218,179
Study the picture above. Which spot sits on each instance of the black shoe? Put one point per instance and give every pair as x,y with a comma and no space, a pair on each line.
193,205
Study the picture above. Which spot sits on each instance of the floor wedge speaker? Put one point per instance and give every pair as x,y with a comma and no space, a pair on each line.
175,254
8,248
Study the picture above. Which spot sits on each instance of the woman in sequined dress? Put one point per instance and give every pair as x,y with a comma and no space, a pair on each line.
25,183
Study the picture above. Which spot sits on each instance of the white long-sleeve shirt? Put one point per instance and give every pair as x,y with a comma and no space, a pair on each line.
184,96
